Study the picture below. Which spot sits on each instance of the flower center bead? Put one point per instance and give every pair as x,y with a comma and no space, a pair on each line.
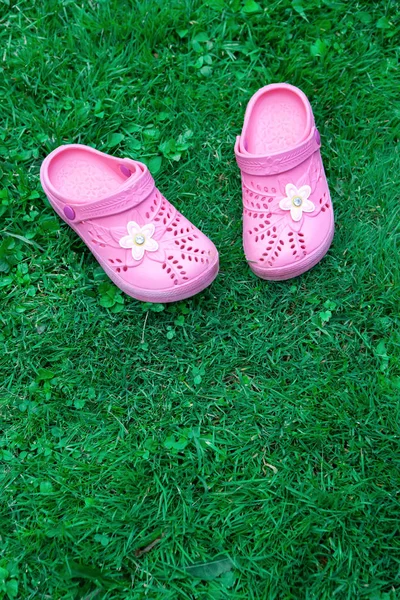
139,239
297,201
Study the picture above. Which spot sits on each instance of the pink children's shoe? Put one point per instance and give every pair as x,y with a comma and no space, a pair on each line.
287,210
148,249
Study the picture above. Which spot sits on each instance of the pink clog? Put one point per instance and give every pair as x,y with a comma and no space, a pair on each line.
287,210
148,249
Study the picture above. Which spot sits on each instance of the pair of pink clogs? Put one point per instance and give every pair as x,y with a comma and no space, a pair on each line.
153,253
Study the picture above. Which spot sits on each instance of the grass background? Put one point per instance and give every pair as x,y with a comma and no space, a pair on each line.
257,421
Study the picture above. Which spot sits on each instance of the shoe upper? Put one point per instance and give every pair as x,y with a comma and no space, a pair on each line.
133,231
287,209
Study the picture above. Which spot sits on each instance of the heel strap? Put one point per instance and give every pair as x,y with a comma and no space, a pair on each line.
112,205
277,163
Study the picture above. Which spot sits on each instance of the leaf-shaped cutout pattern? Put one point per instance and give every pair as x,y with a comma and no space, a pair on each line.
118,232
315,171
102,235
282,183
312,174
157,256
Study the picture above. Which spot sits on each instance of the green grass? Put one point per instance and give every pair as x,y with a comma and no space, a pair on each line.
257,421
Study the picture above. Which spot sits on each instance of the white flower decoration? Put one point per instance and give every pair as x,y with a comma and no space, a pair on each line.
139,239
297,201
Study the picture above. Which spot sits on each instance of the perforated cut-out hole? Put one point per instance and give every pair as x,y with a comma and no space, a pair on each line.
111,260
125,268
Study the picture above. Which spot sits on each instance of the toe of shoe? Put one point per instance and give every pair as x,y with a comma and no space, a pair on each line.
180,271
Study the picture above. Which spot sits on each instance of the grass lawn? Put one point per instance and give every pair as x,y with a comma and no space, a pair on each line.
256,424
